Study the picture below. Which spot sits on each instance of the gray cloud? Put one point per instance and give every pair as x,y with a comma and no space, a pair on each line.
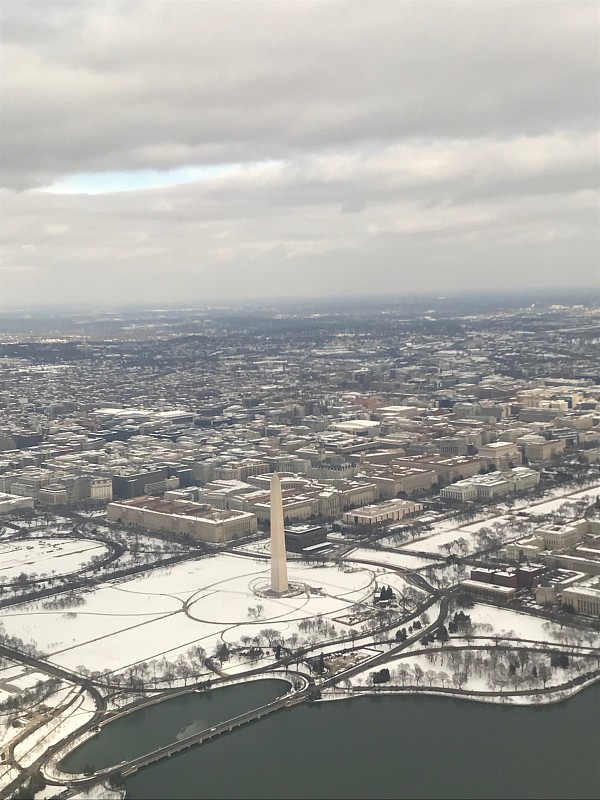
373,146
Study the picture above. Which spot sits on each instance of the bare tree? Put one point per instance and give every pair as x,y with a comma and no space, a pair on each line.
544,673
444,678
459,678
270,634
403,674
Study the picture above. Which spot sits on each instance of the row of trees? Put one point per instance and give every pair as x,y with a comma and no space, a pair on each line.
500,675
19,702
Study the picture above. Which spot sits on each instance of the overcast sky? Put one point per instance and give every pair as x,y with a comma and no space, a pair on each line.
190,151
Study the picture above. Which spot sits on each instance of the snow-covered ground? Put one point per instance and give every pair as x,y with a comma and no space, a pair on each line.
505,621
203,602
446,531
401,560
19,678
486,666
72,707
44,556
553,505
437,669
99,792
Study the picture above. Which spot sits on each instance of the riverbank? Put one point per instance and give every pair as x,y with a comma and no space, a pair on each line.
555,694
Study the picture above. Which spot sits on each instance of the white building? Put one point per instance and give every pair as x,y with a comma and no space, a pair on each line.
101,489
200,521
584,597
9,503
382,512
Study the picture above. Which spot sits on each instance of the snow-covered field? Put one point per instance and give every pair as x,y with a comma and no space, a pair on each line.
435,543
553,505
505,621
203,602
45,556
401,560
18,678
446,531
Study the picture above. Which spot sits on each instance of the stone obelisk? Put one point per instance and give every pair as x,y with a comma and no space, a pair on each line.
279,581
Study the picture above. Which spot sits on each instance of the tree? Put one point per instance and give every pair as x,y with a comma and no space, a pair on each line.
544,673
222,652
468,661
442,634
459,678
382,676
403,675
444,678
516,680
270,634
197,653
523,658
418,673
21,581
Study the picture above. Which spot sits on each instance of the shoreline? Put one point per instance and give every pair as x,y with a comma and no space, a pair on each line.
551,696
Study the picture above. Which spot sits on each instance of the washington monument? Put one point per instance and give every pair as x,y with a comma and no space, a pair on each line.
279,581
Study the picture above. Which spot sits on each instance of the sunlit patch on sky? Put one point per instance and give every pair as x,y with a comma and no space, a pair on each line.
132,180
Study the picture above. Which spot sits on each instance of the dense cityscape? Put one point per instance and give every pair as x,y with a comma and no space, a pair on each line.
299,400
439,468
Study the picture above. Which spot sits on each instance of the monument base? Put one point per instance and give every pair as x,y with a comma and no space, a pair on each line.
261,587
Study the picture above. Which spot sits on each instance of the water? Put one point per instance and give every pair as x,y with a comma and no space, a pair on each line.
393,747
372,747
170,721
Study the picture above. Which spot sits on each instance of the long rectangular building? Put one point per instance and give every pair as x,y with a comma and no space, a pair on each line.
197,520
382,512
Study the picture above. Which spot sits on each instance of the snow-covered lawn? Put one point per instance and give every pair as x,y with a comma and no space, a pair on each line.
169,635
523,626
188,577
205,602
45,556
18,678
553,505
400,560
447,531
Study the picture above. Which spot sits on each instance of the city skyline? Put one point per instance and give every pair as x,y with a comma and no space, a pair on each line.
189,152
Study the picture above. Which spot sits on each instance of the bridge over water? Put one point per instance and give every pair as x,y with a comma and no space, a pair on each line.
127,768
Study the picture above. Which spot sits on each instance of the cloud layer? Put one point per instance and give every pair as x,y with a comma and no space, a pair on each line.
340,147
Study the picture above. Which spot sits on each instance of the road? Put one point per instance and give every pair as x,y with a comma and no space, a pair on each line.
65,675
381,658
